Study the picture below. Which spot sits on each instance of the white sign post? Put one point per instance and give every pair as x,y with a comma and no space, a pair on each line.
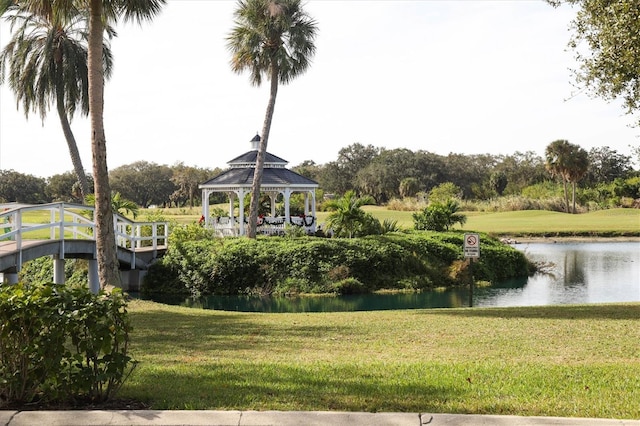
471,252
472,245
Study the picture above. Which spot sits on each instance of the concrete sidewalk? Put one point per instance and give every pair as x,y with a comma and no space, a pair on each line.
283,418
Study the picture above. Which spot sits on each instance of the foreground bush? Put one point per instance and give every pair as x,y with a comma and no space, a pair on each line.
398,260
59,343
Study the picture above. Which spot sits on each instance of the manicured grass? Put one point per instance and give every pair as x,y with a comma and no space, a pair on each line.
579,361
613,222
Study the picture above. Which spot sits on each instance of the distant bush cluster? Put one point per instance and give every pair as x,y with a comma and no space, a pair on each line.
398,260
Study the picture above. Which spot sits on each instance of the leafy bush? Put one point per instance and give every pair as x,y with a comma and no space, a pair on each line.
349,286
439,216
40,271
59,343
445,191
314,265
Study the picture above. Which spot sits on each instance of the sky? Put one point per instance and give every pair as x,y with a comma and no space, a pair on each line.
465,76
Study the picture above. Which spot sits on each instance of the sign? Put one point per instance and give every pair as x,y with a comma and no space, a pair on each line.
471,245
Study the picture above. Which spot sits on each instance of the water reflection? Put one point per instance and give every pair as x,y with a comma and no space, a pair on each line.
581,273
584,273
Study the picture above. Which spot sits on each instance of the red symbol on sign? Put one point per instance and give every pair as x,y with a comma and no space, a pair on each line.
471,240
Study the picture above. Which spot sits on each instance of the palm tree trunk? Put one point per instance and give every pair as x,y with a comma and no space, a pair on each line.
72,145
566,195
262,150
108,271
573,197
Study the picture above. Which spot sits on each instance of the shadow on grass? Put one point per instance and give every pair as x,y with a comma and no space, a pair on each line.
280,386
620,311
161,331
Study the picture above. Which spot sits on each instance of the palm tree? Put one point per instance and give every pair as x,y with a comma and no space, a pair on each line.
570,163
439,216
46,61
100,12
108,268
347,214
275,39
579,168
558,163
119,204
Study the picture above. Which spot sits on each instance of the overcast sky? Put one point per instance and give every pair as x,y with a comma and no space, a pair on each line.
465,77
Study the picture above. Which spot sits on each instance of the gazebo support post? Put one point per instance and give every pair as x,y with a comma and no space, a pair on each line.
231,199
287,205
241,212
205,205
272,197
306,204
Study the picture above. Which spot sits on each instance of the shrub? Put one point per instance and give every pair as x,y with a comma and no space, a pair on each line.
418,259
59,343
444,192
349,286
40,270
439,216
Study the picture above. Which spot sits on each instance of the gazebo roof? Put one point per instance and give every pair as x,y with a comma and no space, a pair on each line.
252,156
275,173
270,177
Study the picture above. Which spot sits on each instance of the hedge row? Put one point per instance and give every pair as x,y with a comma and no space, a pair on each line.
274,265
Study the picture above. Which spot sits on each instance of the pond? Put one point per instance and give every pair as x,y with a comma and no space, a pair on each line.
577,273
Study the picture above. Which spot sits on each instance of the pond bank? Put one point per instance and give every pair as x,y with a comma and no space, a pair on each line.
569,239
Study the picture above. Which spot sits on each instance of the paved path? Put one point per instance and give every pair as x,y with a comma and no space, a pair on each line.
281,418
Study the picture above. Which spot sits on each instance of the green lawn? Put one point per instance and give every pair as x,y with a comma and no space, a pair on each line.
536,222
579,361
529,222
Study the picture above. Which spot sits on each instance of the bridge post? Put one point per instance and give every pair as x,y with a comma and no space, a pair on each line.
10,277
94,280
58,270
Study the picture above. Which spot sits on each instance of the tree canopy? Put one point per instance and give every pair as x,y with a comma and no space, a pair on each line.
46,63
606,43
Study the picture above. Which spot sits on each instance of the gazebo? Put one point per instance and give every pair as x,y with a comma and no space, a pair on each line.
276,179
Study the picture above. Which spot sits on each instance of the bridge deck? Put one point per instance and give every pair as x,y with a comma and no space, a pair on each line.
11,257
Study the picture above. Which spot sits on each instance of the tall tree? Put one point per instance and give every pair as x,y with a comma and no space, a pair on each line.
101,13
143,182
272,39
20,188
46,61
558,163
579,168
569,162
606,165
607,48
112,10
64,187
186,180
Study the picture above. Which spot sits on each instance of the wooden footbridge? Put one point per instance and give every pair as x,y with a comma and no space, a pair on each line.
66,231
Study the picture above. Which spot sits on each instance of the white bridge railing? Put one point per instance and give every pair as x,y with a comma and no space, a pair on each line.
60,221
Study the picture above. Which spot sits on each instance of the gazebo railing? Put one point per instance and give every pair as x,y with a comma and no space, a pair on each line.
225,226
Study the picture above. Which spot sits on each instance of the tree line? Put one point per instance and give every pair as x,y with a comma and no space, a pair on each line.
383,174
399,173
145,183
